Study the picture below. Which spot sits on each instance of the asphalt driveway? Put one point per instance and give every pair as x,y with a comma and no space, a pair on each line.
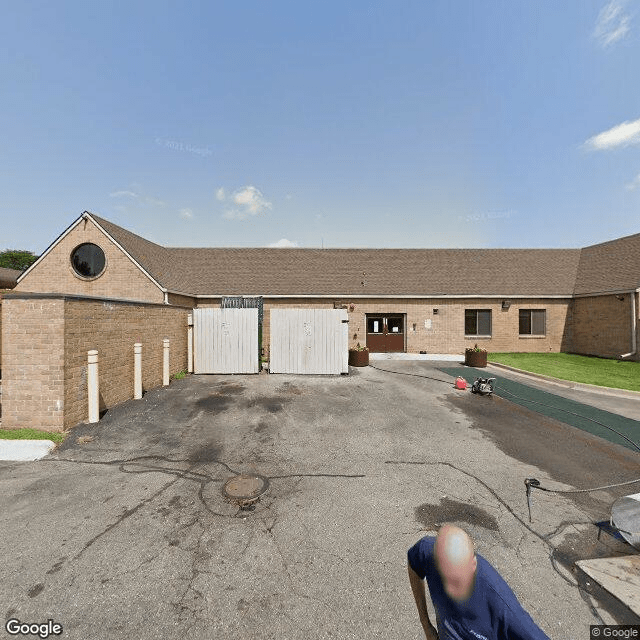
124,532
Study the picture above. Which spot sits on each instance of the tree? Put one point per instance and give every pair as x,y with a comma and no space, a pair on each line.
17,259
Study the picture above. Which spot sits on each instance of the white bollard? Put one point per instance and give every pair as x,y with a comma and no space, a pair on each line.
92,385
190,344
165,363
137,371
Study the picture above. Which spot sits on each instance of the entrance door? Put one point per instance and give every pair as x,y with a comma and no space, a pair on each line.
385,333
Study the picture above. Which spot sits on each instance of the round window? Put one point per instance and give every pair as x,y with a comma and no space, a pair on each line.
88,260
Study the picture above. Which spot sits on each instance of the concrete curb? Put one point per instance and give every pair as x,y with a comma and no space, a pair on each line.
568,384
25,450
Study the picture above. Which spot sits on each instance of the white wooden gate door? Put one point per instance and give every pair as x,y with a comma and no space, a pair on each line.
225,340
309,341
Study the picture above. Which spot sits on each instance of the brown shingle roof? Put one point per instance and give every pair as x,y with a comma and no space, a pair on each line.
266,271
384,271
610,266
152,257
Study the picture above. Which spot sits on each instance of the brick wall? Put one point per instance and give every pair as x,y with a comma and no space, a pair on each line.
2,291
47,339
33,364
637,356
121,278
0,335
446,333
602,325
181,301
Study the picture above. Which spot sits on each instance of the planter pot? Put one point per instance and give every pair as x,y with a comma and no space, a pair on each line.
358,358
475,358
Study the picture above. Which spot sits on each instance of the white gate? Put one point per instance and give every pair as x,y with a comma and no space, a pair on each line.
225,340
309,341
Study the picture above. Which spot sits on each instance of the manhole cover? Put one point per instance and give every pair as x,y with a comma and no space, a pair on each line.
245,489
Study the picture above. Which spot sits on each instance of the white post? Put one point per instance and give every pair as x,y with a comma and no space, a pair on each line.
92,385
165,363
137,371
190,344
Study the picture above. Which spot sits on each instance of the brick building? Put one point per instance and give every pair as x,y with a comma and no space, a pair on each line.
99,286
410,300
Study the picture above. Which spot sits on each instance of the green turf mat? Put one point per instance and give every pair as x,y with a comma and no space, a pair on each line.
557,407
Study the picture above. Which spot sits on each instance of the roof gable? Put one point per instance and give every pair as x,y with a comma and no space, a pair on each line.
609,266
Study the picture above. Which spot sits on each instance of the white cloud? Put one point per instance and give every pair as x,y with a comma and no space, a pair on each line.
250,200
621,135
187,214
283,243
612,24
122,194
634,184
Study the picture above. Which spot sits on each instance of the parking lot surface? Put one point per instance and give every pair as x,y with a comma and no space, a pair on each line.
124,532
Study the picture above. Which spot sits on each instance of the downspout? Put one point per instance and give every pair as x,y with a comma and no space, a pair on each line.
634,327
166,298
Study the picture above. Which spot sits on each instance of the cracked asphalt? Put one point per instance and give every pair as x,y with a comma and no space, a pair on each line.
123,532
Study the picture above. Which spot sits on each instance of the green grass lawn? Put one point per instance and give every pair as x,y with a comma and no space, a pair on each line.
30,434
566,366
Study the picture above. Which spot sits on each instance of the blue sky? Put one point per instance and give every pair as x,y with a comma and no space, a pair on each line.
463,123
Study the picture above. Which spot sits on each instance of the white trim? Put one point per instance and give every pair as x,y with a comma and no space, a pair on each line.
395,296
48,250
87,214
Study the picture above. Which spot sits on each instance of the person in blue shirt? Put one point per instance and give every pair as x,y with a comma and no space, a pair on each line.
471,600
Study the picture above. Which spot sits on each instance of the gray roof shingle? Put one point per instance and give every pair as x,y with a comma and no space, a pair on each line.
610,266
385,272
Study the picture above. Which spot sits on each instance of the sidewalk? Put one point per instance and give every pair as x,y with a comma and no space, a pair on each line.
25,450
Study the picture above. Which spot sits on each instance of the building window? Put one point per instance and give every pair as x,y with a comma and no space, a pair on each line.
374,325
477,322
532,322
394,325
88,260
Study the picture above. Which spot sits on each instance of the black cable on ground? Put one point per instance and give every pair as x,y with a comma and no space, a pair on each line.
528,482
522,522
416,375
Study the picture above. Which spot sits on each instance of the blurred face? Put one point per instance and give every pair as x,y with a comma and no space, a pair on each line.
456,562
458,580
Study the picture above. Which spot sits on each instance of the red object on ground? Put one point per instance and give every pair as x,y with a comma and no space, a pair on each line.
460,383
